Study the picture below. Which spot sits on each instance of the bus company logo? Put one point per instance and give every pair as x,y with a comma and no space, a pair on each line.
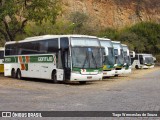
7,59
24,60
46,59
6,114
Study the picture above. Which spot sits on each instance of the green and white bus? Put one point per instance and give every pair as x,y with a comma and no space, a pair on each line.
127,59
1,60
55,57
119,56
108,57
142,60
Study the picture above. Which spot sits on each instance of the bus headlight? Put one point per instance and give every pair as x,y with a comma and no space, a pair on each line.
115,65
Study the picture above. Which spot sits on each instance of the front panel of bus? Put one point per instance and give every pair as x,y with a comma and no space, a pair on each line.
86,59
108,58
148,62
119,58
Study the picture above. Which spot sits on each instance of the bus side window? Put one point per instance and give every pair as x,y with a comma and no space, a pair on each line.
141,59
53,45
64,43
136,57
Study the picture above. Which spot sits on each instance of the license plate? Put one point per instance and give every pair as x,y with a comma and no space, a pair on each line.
116,72
89,77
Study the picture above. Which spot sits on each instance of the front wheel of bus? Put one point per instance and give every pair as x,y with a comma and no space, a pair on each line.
54,77
137,67
19,76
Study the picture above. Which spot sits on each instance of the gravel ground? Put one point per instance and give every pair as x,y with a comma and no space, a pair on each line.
137,92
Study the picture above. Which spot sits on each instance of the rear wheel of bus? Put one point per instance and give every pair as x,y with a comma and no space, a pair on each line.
13,73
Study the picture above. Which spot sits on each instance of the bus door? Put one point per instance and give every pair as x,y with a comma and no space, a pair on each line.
65,56
141,59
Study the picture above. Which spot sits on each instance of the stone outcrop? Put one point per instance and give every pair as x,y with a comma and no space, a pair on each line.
114,13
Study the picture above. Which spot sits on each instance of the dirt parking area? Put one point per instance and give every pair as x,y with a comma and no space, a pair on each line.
138,91
40,84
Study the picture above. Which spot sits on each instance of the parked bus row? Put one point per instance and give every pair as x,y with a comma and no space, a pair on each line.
78,58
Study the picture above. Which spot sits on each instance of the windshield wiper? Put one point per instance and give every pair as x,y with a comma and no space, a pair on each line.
94,59
86,60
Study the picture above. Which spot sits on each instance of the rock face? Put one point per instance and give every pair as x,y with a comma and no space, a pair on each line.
114,13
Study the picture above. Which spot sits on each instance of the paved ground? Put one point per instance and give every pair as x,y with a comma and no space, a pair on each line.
138,92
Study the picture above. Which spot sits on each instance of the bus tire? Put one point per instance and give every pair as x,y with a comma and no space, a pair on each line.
82,82
136,67
18,74
54,76
13,73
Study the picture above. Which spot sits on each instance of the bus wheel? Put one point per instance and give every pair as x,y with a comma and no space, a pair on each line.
54,77
13,73
82,82
19,76
137,67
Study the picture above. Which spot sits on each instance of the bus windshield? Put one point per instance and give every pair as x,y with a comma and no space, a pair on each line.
120,58
86,57
149,60
127,59
110,59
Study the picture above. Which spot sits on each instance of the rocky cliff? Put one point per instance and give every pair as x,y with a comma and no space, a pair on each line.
114,13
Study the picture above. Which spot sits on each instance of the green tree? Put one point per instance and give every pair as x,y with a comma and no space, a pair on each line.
108,33
15,14
78,20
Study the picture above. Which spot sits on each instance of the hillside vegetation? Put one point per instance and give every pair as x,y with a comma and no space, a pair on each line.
27,18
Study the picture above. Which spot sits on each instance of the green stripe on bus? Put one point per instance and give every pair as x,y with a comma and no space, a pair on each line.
33,59
11,60
42,59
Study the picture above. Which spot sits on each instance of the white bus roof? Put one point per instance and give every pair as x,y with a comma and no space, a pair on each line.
116,42
105,39
145,54
124,45
36,38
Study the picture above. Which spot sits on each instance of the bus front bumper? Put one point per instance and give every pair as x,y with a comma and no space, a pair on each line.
127,71
87,77
108,73
119,72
